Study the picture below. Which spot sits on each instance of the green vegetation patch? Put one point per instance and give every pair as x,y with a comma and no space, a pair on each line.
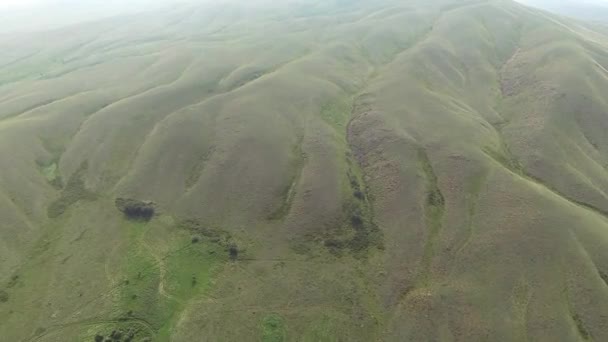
323,329
434,208
604,277
273,328
122,331
580,326
189,269
218,237
297,160
157,285
337,114
74,191
360,232
50,170
435,201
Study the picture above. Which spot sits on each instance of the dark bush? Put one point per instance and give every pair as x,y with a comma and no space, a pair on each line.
359,242
3,296
136,210
98,338
140,212
130,336
334,244
116,335
435,198
233,251
354,183
14,280
580,326
358,194
356,221
196,239
197,227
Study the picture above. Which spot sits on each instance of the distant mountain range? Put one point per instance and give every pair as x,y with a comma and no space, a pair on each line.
588,10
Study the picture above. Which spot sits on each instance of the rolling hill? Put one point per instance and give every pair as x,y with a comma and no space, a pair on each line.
394,170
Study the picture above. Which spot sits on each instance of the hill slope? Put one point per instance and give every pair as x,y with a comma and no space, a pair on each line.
319,171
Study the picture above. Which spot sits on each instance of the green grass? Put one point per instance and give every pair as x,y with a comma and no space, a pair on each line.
298,158
273,329
51,173
434,207
75,190
337,114
322,329
157,286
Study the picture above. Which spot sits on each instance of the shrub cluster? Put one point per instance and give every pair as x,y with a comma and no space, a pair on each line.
3,296
136,210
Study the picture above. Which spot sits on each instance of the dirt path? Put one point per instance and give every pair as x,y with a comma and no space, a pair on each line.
162,269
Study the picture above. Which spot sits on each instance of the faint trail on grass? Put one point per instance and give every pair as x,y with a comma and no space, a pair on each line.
162,270
117,286
107,263
103,296
284,309
92,322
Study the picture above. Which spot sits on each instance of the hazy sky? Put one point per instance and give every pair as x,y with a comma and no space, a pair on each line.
27,15
28,4
12,5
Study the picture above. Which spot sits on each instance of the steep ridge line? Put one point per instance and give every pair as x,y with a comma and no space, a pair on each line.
602,277
179,111
520,170
434,210
538,182
301,159
475,192
33,108
575,319
131,97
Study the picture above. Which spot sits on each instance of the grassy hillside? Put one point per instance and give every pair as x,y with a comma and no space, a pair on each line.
315,171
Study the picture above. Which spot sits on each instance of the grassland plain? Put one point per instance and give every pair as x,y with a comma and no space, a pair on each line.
320,171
